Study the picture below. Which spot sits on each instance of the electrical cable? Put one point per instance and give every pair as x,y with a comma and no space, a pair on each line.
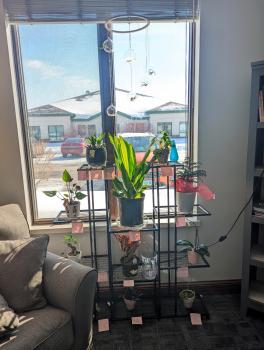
224,237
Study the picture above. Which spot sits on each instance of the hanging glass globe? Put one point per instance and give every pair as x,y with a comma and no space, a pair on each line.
111,110
130,56
151,71
132,96
108,45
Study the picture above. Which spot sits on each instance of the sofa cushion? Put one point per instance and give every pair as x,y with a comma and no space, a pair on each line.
21,263
45,329
13,224
8,319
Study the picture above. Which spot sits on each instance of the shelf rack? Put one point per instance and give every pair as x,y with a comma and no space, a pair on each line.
160,296
252,291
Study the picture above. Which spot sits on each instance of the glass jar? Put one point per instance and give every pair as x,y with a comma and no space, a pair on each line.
149,266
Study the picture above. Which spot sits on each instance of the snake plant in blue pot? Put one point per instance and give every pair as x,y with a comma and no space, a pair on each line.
129,187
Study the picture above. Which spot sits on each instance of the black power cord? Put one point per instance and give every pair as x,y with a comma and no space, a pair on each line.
224,237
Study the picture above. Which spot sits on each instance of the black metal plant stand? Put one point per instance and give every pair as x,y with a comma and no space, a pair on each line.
159,296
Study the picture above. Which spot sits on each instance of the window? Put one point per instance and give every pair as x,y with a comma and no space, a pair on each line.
34,132
165,126
56,132
64,101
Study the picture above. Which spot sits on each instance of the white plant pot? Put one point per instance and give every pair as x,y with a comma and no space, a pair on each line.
76,258
185,202
187,302
73,210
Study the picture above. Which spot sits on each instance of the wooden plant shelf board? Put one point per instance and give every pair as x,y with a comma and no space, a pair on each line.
257,256
256,295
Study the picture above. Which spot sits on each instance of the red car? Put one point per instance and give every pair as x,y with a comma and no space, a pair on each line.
74,146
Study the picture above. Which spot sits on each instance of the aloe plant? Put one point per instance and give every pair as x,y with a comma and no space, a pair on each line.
131,184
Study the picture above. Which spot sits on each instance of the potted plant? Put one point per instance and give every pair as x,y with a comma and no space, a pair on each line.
74,253
131,296
187,296
71,197
194,251
129,189
129,261
187,181
162,152
96,151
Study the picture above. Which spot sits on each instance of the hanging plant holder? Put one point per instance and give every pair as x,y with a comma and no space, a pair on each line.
125,18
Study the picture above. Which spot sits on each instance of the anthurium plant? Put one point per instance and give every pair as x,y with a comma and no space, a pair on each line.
73,191
131,183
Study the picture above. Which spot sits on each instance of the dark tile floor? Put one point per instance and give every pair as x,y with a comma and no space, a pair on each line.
225,330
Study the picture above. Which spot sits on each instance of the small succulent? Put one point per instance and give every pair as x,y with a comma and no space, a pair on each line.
95,141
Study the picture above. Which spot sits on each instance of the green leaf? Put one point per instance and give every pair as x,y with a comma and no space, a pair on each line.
50,193
66,177
80,195
184,242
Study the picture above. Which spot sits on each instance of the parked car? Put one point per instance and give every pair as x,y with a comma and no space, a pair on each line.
73,146
140,142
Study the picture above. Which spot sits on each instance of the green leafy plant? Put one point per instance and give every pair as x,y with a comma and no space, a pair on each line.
72,244
164,140
200,249
72,194
95,141
187,294
131,184
190,172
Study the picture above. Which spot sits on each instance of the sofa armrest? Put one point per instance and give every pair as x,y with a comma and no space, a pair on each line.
71,286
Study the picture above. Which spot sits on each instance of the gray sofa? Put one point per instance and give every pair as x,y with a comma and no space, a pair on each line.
66,322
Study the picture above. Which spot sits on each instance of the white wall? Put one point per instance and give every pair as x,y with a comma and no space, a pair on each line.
231,36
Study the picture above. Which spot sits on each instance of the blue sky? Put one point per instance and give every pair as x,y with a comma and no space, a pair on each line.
61,61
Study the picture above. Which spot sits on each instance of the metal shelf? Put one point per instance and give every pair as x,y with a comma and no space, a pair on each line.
169,211
97,215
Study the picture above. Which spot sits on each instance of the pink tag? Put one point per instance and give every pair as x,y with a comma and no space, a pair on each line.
103,325
128,283
196,319
137,320
77,226
205,192
166,171
82,175
134,236
181,222
102,277
109,173
96,174
182,272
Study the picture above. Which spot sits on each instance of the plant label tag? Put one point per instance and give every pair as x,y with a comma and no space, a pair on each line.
196,319
109,173
181,222
137,320
82,175
166,171
96,174
77,226
134,236
102,277
128,283
92,153
103,325
183,272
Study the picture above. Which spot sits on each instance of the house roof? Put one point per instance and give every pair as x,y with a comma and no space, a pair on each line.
87,106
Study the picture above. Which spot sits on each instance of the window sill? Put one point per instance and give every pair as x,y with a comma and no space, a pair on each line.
100,227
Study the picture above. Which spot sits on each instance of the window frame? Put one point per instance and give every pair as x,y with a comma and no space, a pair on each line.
106,91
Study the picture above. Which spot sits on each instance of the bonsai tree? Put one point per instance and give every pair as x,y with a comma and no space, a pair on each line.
163,150
200,249
129,260
95,150
71,196
72,244
130,187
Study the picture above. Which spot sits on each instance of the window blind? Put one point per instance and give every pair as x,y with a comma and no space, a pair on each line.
97,10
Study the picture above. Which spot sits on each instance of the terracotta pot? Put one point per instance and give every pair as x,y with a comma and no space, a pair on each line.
193,257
